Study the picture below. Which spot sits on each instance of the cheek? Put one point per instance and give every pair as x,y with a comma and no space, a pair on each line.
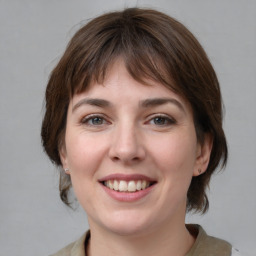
84,152
175,154
83,159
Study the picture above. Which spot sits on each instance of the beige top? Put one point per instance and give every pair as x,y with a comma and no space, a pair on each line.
204,245
207,245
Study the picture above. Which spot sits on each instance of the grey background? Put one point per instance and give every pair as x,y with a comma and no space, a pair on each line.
33,35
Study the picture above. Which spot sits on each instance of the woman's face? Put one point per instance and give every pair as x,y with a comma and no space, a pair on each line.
131,150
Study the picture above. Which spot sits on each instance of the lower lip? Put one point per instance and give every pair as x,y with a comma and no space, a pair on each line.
128,196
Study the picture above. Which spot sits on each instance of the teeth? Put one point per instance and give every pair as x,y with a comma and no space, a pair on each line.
131,186
124,186
138,185
110,184
143,184
116,185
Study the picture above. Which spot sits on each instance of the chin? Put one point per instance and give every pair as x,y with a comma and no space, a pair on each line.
128,229
126,223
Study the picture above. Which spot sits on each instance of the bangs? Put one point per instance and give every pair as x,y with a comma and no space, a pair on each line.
143,54
141,60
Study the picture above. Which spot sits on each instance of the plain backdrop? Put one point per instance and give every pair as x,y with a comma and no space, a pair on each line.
33,35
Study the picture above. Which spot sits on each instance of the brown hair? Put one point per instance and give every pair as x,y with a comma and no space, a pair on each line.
153,46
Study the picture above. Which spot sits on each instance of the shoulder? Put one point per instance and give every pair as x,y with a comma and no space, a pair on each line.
207,245
216,244
76,248
66,251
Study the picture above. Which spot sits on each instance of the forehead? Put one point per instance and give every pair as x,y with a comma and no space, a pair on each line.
120,87
118,78
117,74
144,72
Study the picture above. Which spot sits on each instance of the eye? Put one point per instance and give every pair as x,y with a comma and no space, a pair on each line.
161,120
94,120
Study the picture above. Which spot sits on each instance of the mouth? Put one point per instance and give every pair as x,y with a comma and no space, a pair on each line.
127,183
127,186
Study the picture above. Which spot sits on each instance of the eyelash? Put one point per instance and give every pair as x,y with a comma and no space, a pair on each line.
166,120
89,118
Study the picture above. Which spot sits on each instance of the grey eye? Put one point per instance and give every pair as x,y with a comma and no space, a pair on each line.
162,120
96,120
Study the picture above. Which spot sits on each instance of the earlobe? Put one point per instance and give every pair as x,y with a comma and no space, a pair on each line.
203,155
63,158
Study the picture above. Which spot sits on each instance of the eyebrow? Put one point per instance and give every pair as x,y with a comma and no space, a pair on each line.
161,101
93,102
154,102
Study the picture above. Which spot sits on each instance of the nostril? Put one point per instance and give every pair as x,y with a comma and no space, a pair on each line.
126,153
115,158
136,159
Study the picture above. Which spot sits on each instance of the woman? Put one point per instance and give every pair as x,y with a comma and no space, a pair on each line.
134,118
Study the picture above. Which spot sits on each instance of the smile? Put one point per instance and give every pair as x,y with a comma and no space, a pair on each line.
127,186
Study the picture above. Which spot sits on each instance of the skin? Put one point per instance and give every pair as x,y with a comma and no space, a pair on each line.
127,136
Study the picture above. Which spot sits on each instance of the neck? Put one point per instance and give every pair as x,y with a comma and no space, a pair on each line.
172,240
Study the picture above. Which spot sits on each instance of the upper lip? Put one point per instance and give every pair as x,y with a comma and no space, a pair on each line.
126,177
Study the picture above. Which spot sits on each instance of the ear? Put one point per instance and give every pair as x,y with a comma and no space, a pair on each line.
63,158
203,154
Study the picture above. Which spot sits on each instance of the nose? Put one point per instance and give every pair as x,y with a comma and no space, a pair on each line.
127,145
